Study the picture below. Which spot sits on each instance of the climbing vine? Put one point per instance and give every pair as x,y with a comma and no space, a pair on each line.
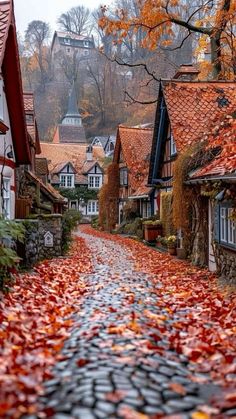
166,213
108,199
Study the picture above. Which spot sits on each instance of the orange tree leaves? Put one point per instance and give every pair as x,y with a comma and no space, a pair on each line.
35,319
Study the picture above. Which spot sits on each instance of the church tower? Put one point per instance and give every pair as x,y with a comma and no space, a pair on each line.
71,129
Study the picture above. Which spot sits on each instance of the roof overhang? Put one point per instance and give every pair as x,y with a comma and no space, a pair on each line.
3,128
201,181
139,197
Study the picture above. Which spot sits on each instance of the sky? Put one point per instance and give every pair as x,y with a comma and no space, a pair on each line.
46,10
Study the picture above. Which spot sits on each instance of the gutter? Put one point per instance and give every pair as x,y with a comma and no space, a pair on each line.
229,179
139,197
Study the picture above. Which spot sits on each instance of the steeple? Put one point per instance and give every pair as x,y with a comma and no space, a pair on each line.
72,116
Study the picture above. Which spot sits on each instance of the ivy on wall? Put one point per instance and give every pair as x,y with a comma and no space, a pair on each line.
108,199
166,213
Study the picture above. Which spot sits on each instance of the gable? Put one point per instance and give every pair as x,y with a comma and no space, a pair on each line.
95,169
68,168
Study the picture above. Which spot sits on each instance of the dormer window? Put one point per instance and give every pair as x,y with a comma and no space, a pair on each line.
95,182
67,180
173,149
67,41
86,43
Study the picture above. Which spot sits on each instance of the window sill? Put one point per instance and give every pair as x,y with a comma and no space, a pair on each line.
227,246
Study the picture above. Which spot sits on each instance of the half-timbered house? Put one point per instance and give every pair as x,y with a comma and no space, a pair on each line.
132,153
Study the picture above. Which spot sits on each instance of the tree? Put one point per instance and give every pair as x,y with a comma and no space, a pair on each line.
36,37
77,20
212,20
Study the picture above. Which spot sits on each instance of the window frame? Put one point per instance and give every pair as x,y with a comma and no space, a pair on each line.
66,184
93,207
227,227
94,181
124,176
6,196
173,149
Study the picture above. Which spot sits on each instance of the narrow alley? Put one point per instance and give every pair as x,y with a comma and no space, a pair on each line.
139,347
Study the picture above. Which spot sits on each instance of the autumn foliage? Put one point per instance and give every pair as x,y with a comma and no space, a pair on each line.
35,319
159,21
108,199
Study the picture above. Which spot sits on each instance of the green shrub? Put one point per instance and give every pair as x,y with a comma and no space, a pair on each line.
10,232
95,222
70,220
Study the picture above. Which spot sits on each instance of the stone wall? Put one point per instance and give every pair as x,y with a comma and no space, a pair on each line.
42,239
226,263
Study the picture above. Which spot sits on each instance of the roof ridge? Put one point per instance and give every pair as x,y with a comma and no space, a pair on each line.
136,128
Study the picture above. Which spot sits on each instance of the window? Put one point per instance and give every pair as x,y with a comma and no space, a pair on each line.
6,193
68,49
86,52
124,177
66,181
227,226
93,207
67,41
173,149
86,43
95,182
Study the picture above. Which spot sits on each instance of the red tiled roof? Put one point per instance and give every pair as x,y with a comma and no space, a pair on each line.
135,144
10,69
41,166
47,188
57,154
193,106
5,16
223,135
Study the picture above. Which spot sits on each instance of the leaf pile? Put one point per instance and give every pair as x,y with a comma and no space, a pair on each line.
35,319
200,319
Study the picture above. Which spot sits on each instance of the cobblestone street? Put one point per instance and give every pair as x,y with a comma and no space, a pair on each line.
114,364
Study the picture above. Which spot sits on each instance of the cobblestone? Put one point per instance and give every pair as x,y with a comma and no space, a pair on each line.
117,369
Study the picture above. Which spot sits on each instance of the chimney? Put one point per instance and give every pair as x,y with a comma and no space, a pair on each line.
89,153
186,72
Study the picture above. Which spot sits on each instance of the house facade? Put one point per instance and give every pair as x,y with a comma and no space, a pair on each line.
76,170
14,145
185,112
107,142
67,47
132,154
216,182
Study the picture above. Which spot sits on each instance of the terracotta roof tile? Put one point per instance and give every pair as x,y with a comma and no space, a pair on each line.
193,106
5,16
58,154
53,193
136,148
223,135
41,166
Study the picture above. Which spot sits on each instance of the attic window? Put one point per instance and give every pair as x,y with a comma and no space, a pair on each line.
67,41
222,101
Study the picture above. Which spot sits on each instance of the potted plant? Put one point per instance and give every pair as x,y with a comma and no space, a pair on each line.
152,229
171,242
